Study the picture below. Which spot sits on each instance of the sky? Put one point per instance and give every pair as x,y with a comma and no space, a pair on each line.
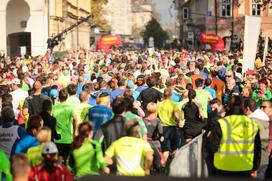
163,7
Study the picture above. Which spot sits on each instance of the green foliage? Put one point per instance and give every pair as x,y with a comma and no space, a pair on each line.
98,10
154,29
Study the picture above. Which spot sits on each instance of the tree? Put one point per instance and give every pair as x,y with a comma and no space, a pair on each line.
154,29
98,10
267,2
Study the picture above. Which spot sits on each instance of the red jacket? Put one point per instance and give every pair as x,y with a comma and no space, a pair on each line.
39,174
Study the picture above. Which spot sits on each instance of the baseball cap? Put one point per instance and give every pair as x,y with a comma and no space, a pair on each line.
15,81
250,72
130,84
49,148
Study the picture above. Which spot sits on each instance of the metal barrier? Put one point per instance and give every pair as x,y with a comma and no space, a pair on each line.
188,160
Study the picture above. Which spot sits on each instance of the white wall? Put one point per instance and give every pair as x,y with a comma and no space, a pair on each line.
37,22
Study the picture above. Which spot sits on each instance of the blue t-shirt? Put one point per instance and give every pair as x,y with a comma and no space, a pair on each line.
115,93
79,89
141,88
99,114
211,91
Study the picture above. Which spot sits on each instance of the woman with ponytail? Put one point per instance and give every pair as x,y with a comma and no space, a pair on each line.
86,155
192,114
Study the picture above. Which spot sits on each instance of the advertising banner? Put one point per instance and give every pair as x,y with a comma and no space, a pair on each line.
252,31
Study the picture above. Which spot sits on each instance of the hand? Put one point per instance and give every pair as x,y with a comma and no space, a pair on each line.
180,124
253,174
162,139
147,172
106,170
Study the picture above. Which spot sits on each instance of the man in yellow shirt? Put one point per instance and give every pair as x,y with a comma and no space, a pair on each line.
169,113
131,152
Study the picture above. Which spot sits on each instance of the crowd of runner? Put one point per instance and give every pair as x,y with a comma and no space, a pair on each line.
127,112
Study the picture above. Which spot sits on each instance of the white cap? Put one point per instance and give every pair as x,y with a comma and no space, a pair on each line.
49,148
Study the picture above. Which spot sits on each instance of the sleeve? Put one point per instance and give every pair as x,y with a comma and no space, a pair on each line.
160,129
147,147
111,150
67,173
142,126
257,152
99,155
140,97
71,162
214,138
26,103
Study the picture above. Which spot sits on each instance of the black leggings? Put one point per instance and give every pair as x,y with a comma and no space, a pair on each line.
64,150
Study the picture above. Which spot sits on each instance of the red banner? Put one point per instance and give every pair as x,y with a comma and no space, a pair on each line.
107,41
215,41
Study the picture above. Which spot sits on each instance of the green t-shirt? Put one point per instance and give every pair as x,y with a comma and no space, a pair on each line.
5,166
25,87
73,100
34,155
202,98
166,110
64,114
130,154
129,116
88,158
81,111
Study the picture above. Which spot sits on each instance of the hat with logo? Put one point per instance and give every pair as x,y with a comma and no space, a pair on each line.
15,81
49,148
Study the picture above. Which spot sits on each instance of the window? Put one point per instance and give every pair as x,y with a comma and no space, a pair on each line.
185,13
256,7
226,8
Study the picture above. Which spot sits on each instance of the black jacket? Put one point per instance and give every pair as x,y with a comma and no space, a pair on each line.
50,122
111,130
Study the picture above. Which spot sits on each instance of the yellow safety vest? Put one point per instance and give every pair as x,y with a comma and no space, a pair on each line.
236,150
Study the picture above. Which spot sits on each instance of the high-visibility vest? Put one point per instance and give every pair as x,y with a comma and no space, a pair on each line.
236,150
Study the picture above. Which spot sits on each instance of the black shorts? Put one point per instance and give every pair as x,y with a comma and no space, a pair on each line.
172,138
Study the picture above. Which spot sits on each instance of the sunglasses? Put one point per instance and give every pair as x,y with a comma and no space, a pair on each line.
263,107
228,76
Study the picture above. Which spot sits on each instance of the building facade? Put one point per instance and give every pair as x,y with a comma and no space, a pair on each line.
63,14
27,24
119,17
24,26
221,17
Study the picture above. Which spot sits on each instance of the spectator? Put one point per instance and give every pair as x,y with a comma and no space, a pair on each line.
230,159
262,94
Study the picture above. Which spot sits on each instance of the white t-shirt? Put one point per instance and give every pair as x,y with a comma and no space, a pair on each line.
17,96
